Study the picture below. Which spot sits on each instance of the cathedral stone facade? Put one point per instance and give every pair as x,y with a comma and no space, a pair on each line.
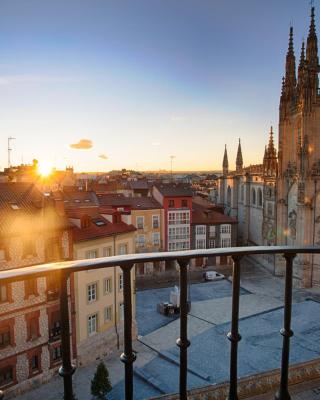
278,202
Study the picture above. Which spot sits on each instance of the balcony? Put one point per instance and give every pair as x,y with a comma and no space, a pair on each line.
52,295
234,387
55,334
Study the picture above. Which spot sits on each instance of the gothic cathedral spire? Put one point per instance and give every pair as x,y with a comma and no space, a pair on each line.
225,164
290,78
239,160
312,44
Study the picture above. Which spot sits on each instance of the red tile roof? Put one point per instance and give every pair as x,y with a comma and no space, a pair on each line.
96,231
134,203
25,210
203,215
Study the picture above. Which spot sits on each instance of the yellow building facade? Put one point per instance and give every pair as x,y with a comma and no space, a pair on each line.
99,297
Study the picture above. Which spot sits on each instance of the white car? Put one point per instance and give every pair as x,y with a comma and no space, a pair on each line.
212,276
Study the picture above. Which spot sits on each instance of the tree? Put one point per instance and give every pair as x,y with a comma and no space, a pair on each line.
100,384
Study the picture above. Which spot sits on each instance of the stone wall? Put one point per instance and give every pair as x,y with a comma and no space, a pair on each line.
253,385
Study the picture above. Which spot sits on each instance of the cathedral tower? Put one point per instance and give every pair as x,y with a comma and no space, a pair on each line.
298,208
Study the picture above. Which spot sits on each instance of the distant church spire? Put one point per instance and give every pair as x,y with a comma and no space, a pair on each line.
239,160
225,164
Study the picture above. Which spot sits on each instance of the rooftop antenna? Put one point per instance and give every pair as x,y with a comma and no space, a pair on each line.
10,138
171,158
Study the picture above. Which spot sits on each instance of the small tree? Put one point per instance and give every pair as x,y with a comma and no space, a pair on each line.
100,384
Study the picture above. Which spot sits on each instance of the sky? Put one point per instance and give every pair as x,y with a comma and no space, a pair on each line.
110,84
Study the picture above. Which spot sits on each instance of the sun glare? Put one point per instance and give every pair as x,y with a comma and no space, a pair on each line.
45,169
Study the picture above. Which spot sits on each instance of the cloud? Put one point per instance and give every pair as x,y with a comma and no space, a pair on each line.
83,144
155,144
103,156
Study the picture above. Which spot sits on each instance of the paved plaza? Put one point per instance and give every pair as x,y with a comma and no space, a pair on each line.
261,313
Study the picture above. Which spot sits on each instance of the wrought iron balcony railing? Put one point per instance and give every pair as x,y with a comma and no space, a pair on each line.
126,262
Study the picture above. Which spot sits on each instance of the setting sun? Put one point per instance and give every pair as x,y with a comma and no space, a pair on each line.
44,169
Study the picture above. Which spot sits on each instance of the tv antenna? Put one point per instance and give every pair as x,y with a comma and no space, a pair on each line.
10,138
171,159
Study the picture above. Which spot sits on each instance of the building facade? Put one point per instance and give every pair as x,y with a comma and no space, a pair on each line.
31,232
98,293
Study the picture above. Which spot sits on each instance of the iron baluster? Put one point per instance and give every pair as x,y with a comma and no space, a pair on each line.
128,356
183,341
233,335
286,332
67,369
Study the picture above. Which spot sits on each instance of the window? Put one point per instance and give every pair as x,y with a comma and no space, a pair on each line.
140,222
6,376
55,326
3,293
107,285
56,353
121,311
33,328
212,243
229,193
120,282
2,254
259,197
225,228
30,287
140,240
29,248
242,193
200,230
92,324
5,338
171,203
92,292
179,217
92,254
253,196
200,243
225,242
212,231
108,314
34,363
270,209
184,203
123,248
155,221
107,251
156,238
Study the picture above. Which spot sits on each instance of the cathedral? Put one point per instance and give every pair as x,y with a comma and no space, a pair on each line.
278,202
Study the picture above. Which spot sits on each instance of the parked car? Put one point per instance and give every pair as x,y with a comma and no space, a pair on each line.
212,276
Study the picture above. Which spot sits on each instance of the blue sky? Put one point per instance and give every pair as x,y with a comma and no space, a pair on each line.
143,79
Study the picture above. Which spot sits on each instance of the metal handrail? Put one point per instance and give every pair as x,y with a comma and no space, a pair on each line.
123,260
126,262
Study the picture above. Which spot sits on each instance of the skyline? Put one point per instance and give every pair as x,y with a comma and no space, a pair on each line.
156,79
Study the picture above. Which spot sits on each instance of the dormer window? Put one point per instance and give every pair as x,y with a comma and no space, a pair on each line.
14,206
99,222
